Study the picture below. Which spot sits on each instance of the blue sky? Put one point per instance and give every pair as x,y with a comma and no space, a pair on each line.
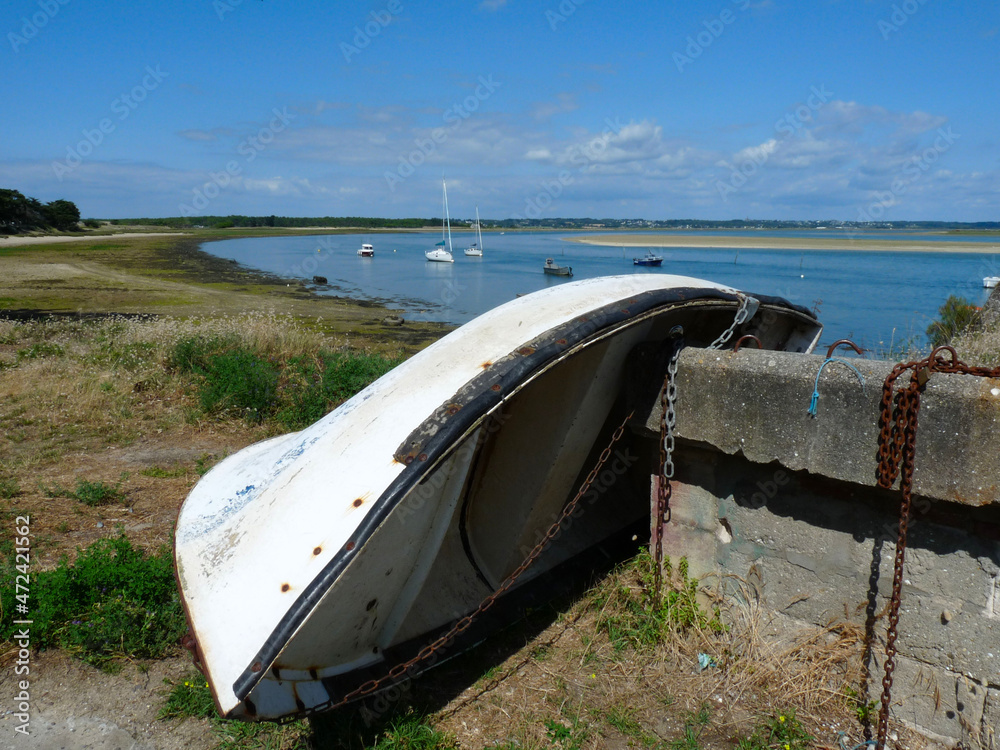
789,109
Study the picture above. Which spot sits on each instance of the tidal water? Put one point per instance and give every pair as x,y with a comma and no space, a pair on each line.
879,299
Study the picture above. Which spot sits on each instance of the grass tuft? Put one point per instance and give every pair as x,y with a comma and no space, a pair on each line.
189,698
114,601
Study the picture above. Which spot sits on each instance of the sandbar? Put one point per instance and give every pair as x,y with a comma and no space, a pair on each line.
787,243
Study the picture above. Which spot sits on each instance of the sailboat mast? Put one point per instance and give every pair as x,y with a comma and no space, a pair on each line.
479,230
447,218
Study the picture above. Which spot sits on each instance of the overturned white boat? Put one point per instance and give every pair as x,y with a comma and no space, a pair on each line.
316,561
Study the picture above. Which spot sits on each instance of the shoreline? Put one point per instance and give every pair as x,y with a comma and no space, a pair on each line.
785,243
171,275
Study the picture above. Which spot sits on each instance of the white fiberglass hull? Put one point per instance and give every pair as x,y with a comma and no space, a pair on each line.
313,557
441,256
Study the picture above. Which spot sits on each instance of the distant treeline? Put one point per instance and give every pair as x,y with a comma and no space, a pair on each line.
18,213
367,222
224,222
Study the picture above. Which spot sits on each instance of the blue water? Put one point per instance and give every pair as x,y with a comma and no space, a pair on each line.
876,298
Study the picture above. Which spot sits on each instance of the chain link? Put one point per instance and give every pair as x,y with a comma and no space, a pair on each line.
897,447
668,425
401,669
746,310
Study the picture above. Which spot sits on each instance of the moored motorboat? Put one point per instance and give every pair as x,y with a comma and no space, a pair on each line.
554,269
366,250
649,259
315,561
991,282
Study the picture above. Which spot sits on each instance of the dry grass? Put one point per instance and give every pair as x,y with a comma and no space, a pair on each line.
609,694
980,347
95,400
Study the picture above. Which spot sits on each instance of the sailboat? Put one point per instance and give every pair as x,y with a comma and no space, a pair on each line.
475,250
439,253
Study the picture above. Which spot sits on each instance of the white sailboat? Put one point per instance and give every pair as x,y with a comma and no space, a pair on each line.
439,253
475,250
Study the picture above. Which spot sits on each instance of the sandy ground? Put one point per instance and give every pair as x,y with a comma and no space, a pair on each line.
24,241
786,243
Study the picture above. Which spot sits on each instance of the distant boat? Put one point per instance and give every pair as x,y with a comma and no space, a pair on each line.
551,267
439,254
475,250
990,282
366,251
649,259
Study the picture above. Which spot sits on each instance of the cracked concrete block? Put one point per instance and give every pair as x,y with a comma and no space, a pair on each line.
938,701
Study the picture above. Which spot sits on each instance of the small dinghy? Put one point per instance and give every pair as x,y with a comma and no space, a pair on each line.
316,566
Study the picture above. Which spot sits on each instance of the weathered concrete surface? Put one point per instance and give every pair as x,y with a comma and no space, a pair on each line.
756,403
788,502
991,310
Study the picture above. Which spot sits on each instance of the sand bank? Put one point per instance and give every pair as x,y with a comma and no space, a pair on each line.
16,241
787,243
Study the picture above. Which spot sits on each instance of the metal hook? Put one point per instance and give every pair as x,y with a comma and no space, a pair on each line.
844,342
749,336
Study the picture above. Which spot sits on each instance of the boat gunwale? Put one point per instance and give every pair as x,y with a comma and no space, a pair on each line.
445,426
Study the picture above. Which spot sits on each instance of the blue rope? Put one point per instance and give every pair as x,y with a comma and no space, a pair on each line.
842,737
814,403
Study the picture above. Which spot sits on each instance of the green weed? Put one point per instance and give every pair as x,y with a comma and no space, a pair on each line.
631,615
780,731
864,710
192,697
98,493
694,726
318,386
158,472
204,463
39,350
114,600
9,488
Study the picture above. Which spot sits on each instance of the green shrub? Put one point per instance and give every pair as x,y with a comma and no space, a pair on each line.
296,392
957,315
98,493
240,381
114,600
317,388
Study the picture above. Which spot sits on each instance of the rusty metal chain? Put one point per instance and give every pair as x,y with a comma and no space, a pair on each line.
668,425
746,310
897,445
463,624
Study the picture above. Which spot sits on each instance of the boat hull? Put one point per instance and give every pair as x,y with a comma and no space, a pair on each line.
439,256
308,563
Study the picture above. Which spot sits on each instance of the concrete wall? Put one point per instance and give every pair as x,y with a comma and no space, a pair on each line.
786,500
